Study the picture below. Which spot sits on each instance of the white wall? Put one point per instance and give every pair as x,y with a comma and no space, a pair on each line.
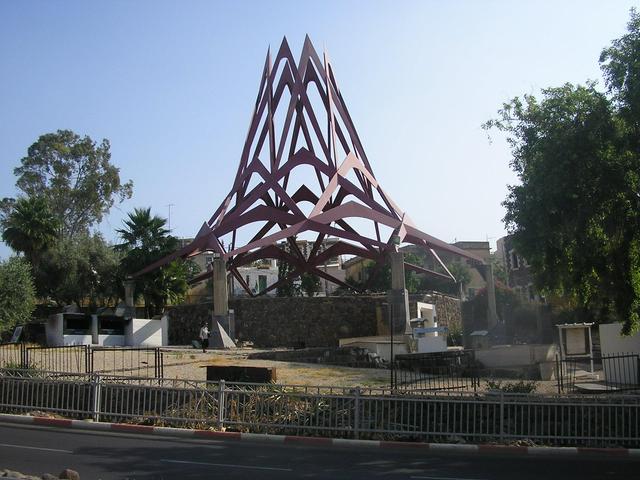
145,332
503,356
619,370
111,340
612,342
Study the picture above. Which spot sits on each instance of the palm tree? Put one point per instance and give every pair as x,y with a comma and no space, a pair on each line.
31,228
145,240
143,231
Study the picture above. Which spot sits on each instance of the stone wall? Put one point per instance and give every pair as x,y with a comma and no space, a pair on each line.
300,321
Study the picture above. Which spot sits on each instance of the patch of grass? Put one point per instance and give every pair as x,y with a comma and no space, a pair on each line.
521,386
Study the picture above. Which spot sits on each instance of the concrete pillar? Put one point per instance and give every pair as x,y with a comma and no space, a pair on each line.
129,289
220,294
492,315
398,297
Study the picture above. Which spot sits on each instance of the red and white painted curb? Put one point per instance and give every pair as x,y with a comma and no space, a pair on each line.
319,441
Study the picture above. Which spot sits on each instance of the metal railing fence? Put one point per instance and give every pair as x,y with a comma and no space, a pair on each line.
612,372
595,421
68,358
120,361
134,361
13,355
435,371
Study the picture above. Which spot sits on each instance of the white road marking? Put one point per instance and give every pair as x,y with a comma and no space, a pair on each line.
447,478
35,448
227,465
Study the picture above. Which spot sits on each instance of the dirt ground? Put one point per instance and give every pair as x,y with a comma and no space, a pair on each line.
190,364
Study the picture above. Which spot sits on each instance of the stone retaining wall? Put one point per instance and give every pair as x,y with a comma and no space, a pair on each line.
300,321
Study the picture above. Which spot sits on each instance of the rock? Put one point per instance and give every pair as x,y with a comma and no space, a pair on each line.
69,474
12,474
48,476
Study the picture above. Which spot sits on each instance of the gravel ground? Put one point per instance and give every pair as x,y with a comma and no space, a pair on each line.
190,364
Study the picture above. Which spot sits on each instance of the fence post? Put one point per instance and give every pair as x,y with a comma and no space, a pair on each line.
24,356
356,413
87,359
558,375
501,416
96,389
221,405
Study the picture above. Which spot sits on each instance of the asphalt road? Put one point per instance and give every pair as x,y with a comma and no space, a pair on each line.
104,455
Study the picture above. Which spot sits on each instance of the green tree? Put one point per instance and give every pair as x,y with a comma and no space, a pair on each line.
30,228
289,288
575,216
146,240
81,270
17,293
620,65
75,176
309,284
462,274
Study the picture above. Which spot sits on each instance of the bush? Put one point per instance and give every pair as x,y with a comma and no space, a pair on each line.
522,386
17,293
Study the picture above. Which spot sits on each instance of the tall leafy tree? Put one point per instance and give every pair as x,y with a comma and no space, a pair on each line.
30,228
75,176
17,293
82,270
309,284
575,215
145,240
289,288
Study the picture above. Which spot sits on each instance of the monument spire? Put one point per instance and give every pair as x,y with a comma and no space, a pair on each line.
300,123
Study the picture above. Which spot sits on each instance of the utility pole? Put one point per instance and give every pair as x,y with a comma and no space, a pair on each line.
169,219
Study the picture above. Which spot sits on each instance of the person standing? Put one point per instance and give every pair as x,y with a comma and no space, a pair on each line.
204,337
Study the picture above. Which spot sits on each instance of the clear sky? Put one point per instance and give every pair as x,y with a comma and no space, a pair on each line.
172,83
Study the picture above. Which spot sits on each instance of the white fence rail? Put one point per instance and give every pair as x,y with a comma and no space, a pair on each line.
328,411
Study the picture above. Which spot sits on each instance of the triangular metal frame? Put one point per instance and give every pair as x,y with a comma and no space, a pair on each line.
270,203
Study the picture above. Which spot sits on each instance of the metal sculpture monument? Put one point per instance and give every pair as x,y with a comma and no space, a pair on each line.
288,133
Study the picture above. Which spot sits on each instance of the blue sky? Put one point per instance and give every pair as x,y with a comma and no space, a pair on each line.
171,84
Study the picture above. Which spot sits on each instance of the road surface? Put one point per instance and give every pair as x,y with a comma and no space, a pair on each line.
104,455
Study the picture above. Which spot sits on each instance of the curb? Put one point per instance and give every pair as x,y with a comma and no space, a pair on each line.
322,441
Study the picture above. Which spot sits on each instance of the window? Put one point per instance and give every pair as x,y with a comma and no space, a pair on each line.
515,264
76,324
110,326
262,282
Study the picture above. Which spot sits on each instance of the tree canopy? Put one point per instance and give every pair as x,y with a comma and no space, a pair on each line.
575,215
30,228
75,176
80,270
17,294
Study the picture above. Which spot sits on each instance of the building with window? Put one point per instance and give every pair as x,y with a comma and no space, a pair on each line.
518,270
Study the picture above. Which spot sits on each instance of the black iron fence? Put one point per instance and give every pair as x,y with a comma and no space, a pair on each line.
128,361
13,355
117,361
605,373
435,371
68,358
567,420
